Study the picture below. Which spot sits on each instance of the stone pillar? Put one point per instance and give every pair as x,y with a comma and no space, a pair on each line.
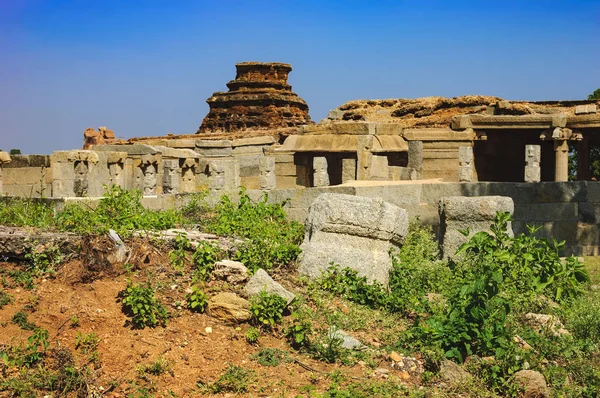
348,170
148,168
415,158
320,175
224,175
73,172
116,168
4,158
533,158
561,149
216,176
583,159
189,167
465,164
266,166
171,176
365,157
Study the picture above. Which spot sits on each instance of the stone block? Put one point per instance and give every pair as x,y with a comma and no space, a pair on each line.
415,156
585,109
202,144
215,152
476,214
589,212
560,192
134,149
402,195
252,141
532,174
352,231
320,174
261,281
285,169
268,179
348,169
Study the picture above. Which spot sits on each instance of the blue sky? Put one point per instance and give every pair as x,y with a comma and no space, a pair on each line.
147,67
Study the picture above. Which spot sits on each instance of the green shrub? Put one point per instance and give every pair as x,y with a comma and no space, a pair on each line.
270,356
235,379
20,319
87,343
197,300
44,260
252,335
328,346
5,299
267,309
272,240
583,318
143,308
26,213
204,258
299,331
178,255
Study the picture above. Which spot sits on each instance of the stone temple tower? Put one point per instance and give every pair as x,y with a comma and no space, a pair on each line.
258,98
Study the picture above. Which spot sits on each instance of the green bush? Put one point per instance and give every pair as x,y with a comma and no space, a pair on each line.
197,300
26,213
178,255
270,356
272,240
141,305
267,309
204,259
5,299
44,260
252,335
299,331
235,379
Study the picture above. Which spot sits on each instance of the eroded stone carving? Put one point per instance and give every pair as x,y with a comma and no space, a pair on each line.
216,176
533,157
465,164
188,175
80,182
171,176
320,175
266,167
149,174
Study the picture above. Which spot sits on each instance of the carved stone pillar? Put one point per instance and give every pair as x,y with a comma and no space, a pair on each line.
149,174
320,175
533,158
561,149
348,170
171,176
365,157
189,166
116,168
266,166
216,176
465,164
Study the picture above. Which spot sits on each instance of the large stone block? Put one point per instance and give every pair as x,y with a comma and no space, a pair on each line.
476,214
354,232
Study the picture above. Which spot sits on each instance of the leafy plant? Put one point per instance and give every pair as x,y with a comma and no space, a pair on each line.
178,255
87,343
5,299
299,331
235,379
204,258
267,309
156,368
44,259
20,319
141,305
328,346
270,356
252,335
197,300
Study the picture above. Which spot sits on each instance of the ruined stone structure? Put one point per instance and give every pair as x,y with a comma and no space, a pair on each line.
410,152
259,97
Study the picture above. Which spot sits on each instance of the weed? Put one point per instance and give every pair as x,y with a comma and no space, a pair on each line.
270,356
74,322
197,300
87,343
159,367
204,258
141,305
298,333
5,299
328,346
267,309
252,335
26,212
44,260
178,255
236,379
583,318
20,319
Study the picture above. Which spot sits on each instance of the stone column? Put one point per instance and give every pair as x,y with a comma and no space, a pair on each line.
266,166
216,176
4,158
561,149
320,175
116,168
224,174
365,157
171,176
149,174
533,158
583,159
189,168
348,170
465,164
415,158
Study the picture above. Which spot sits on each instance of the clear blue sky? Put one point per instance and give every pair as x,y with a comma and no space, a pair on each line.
146,67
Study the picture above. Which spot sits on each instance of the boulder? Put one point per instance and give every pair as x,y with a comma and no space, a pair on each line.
354,232
541,322
4,157
452,373
348,342
233,272
262,281
532,384
229,307
476,213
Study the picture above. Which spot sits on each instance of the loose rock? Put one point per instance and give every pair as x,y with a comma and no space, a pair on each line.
262,281
541,322
453,373
233,272
532,383
229,307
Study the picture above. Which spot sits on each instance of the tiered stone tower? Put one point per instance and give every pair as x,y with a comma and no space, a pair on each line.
258,98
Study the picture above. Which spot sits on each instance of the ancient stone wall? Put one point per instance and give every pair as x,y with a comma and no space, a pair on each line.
27,176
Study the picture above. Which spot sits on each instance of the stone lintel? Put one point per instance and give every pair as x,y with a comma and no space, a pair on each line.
438,134
135,149
584,121
213,144
265,140
511,122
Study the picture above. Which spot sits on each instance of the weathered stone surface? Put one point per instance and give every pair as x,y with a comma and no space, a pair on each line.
229,307
259,97
92,137
320,175
544,322
532,384
4,157
476,213
16,242
268,178
262,281
585,109
233,272
348,342
465,164
353,232
452,373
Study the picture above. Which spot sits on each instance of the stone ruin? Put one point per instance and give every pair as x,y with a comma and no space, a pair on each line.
259,98
103,136
353,232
